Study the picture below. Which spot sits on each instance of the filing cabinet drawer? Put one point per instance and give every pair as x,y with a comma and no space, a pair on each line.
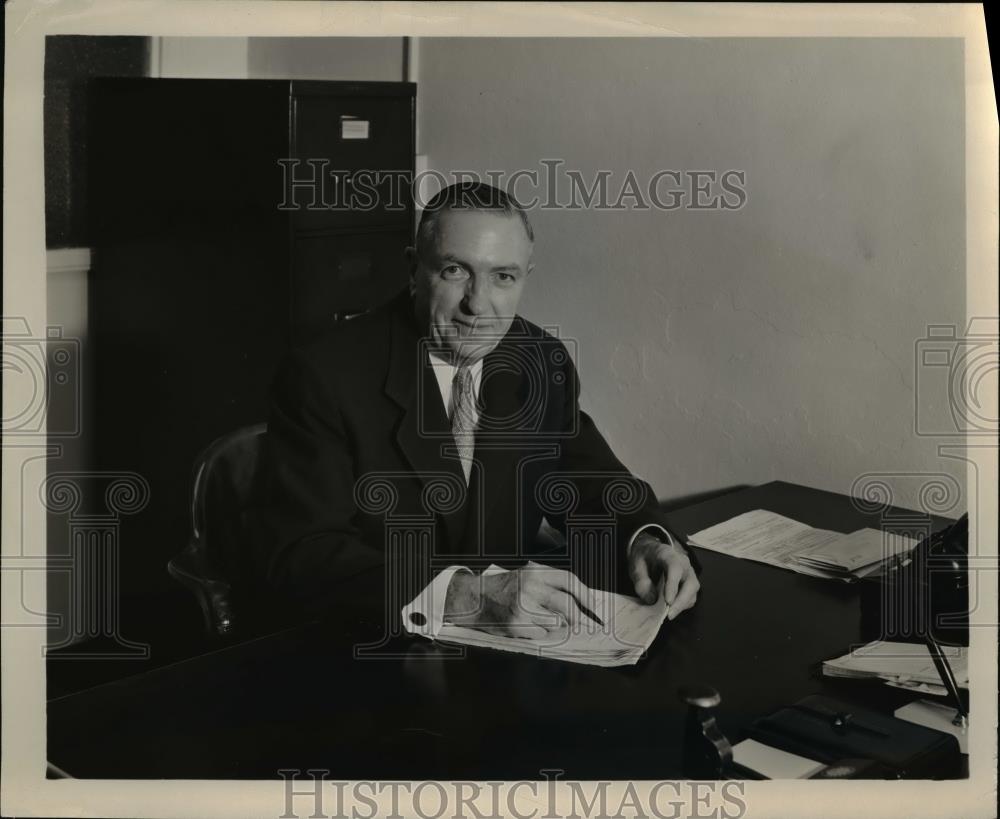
355,155
335,276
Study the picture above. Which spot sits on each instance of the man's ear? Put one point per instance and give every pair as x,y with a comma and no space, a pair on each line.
531,268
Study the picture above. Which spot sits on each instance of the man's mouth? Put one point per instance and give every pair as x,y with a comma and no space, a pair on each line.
472,325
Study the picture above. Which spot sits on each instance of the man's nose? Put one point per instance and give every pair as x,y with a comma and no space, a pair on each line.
476,299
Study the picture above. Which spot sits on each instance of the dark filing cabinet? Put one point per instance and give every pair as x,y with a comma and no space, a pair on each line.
207,264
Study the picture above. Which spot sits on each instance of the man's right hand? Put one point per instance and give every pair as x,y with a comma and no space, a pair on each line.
534,601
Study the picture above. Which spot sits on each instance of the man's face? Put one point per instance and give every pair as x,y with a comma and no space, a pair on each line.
469,286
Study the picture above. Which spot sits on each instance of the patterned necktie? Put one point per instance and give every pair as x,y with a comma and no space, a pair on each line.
463,417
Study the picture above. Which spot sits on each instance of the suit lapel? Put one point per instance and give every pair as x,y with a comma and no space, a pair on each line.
423,430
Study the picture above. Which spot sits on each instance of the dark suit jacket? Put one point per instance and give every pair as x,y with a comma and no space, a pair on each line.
364,488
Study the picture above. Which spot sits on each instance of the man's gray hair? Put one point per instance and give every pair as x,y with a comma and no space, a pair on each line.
467,195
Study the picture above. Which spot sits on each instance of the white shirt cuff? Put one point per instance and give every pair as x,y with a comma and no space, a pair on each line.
425,613
658,530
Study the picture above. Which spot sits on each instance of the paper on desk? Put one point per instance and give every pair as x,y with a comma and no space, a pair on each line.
859,550
772,762
905,665
767,538
918,687
629,629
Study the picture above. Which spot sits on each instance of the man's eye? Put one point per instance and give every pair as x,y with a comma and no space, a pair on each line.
453,272
506,278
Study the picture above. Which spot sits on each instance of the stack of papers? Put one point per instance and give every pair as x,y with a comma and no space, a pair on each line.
767,537
903,665
858,553
629,628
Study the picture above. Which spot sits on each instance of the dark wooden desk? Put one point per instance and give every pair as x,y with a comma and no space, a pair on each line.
299,699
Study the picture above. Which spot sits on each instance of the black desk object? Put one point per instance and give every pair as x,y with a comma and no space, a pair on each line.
831,732
298,699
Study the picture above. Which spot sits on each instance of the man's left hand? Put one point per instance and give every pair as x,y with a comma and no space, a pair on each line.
650,560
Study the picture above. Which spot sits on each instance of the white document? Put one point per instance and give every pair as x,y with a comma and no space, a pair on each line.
768,537
772,762
629,628
904,665
916,687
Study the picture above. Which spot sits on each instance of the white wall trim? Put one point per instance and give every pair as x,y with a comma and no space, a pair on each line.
68,260
155,56
413,59
413,75
207,58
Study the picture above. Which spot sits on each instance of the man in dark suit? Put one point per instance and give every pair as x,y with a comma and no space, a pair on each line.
427,439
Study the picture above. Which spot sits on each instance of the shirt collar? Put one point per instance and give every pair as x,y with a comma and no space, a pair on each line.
437,361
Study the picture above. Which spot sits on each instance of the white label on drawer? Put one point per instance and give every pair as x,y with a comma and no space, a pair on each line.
351,128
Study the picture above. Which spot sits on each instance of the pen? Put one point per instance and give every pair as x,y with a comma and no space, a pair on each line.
589,613
948,677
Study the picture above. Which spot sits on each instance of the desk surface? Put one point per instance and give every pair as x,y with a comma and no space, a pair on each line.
298,699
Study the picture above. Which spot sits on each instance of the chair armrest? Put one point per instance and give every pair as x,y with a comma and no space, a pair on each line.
213,595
